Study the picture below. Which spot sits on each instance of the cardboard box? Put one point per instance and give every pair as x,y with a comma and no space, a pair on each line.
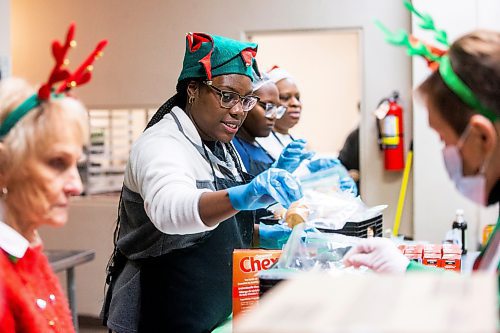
452,257
414,252
414,256
432,248
452,262
432,259
432,255
246,264
451,249
414,249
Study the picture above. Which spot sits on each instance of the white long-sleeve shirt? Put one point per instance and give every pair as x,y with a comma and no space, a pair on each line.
164,167
274,143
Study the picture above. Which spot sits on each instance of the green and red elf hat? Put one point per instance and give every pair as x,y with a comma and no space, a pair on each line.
437,57
208,56
59,73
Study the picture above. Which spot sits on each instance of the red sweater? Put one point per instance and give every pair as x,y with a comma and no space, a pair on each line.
31,299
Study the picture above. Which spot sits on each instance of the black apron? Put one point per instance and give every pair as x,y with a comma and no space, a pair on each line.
173,283
190,290
257,167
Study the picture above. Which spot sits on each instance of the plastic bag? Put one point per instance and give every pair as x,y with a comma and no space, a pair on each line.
324,180
308,249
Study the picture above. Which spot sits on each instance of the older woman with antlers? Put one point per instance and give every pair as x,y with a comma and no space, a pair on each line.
41,139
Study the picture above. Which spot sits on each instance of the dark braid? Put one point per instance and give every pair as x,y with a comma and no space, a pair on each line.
117,260
179,99
163,110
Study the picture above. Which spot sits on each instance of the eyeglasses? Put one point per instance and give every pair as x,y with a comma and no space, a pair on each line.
273,110
228,99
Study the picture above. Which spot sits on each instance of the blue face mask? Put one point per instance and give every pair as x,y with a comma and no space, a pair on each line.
472,187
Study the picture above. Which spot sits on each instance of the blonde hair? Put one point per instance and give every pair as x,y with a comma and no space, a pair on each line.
49,122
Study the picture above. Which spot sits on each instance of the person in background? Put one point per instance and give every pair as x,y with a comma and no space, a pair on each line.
349,154
280,136
41,140
464,109
186,202
289,96
258,124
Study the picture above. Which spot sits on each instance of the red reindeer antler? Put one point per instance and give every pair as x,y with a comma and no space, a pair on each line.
58,74
84,73
436,51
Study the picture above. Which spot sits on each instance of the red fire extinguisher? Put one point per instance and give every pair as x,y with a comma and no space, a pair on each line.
390,129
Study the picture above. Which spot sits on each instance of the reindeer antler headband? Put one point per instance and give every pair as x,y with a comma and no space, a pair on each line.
82,75
437,58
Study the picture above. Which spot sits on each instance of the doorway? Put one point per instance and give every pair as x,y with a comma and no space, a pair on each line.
326,65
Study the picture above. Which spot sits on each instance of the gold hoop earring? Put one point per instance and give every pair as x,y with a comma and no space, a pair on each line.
191,99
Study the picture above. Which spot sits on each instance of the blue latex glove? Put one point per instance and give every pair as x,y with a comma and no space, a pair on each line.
273,236
265,189
323,163
293,154
347,184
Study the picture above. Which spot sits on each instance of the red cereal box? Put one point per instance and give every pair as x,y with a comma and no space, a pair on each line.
451,248
432,259
414,252
432,248
452,259
246,265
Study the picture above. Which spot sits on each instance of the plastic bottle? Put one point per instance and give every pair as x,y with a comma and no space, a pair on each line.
460,226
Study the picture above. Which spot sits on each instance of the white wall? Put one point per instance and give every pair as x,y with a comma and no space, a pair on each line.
435,198
5,38
144,57
91,225
143,60
329,93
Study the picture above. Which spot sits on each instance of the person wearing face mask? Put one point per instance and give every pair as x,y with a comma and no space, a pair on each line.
461,97
187,202
42,134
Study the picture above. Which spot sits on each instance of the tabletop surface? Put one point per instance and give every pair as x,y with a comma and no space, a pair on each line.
63,259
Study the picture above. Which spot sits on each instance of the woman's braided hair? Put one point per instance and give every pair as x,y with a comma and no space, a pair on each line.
179,99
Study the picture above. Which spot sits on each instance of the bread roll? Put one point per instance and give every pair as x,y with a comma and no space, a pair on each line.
297,213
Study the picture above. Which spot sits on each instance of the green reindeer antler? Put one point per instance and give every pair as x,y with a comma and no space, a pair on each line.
428,24
402,38
436,58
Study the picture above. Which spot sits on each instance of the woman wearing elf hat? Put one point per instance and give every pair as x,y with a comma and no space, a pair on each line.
461,96
187,202
41,139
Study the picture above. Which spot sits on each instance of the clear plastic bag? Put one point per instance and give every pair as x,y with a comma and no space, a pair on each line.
308,249
324,180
